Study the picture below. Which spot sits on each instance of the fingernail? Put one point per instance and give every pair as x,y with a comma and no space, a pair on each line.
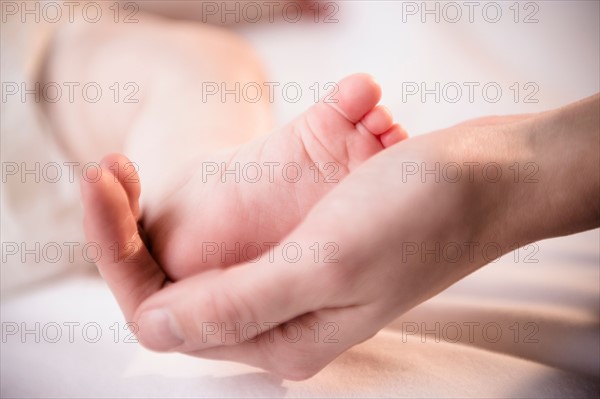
158,330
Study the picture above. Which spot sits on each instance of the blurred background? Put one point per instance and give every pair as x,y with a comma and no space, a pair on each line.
438,62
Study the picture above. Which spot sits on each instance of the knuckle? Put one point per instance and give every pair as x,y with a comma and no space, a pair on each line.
296,371
296,362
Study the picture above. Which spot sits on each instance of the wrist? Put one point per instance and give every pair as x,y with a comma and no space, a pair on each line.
569,151
560,195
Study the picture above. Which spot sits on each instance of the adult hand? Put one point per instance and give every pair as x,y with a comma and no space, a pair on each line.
408,223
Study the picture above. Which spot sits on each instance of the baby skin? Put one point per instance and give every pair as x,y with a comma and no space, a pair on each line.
237,204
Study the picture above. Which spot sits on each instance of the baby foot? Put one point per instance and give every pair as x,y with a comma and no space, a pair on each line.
232,207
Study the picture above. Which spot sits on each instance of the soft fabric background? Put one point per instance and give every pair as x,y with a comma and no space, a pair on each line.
550,291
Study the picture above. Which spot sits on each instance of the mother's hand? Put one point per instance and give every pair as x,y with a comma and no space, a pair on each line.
408,223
